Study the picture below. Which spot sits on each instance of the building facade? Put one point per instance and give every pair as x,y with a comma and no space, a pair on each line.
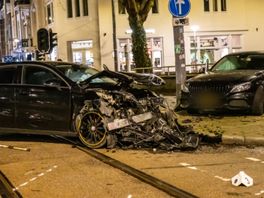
85,30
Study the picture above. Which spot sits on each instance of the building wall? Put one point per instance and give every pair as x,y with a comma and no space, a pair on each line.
76,29
243,19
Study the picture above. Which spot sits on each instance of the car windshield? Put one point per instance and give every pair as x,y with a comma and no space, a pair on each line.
240,62
80,73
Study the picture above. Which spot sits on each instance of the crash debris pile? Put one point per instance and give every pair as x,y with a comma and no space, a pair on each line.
139,119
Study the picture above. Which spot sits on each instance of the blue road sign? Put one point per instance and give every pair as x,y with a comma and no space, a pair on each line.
179,8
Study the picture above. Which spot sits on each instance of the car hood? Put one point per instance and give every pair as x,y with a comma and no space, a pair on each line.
234,76
146,78
121,78
125,78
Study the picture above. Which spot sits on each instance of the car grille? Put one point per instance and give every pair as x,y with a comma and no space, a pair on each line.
219,88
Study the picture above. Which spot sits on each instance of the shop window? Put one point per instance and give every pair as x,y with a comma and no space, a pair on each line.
69,8
206,6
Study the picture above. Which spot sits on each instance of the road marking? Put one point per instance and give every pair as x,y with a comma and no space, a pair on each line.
34,178
253,159
186,165
222,178
259,193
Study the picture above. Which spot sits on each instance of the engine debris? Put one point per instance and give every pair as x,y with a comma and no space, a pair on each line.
145,121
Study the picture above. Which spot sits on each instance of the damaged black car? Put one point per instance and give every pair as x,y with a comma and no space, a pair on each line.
102,108
234,83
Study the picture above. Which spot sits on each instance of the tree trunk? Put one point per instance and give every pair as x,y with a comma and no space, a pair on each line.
139,47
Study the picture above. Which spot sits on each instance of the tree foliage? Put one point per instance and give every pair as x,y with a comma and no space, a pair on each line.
137,14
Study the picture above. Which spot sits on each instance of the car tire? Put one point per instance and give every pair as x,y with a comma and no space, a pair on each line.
92,130
258,102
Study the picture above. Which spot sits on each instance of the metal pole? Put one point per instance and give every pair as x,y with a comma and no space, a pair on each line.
5,26
114,36
180,73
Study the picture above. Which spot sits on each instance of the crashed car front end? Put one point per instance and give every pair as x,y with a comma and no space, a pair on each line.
132,119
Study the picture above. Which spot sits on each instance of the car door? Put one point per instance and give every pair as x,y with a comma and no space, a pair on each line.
43,100
7,97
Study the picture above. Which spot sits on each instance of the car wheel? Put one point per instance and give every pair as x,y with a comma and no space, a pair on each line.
258,102
92,130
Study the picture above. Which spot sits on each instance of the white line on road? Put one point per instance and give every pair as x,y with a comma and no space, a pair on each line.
34,178
253,159
259,193
222,178
186,165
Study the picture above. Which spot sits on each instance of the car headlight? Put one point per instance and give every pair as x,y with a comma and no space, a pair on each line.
241,87
185,88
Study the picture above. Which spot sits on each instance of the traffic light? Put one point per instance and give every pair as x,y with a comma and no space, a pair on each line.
40,56
43,40
53,40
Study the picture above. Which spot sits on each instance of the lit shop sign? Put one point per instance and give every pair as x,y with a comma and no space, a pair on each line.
82,44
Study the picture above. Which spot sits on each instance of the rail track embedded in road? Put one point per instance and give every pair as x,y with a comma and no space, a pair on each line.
153,181
7,189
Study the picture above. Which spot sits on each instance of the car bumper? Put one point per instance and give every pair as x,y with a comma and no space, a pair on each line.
236,101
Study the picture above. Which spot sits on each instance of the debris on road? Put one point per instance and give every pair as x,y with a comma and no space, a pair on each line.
242,179
14,147
141,121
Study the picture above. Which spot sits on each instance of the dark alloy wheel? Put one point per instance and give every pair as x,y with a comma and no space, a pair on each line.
92,130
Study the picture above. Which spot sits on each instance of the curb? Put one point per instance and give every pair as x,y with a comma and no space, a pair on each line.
242,140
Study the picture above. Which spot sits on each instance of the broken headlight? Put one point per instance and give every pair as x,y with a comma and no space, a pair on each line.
241,87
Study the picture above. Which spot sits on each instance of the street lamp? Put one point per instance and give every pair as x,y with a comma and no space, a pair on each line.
194,29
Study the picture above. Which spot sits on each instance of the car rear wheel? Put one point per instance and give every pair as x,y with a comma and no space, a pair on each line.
258,102
92,130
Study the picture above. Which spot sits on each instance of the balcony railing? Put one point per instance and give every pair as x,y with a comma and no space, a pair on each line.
191,70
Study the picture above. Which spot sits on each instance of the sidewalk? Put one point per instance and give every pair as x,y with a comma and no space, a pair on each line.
241,130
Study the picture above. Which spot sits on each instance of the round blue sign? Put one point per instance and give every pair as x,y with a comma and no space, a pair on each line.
179,8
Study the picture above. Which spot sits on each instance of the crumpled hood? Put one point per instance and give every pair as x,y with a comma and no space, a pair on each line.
235,76
126,78
122,78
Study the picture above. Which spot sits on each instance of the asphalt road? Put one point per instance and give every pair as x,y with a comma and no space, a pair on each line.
54,169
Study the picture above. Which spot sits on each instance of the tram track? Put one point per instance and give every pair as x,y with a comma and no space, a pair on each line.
7,190
153,181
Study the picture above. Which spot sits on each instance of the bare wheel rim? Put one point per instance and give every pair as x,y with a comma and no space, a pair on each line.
92,130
